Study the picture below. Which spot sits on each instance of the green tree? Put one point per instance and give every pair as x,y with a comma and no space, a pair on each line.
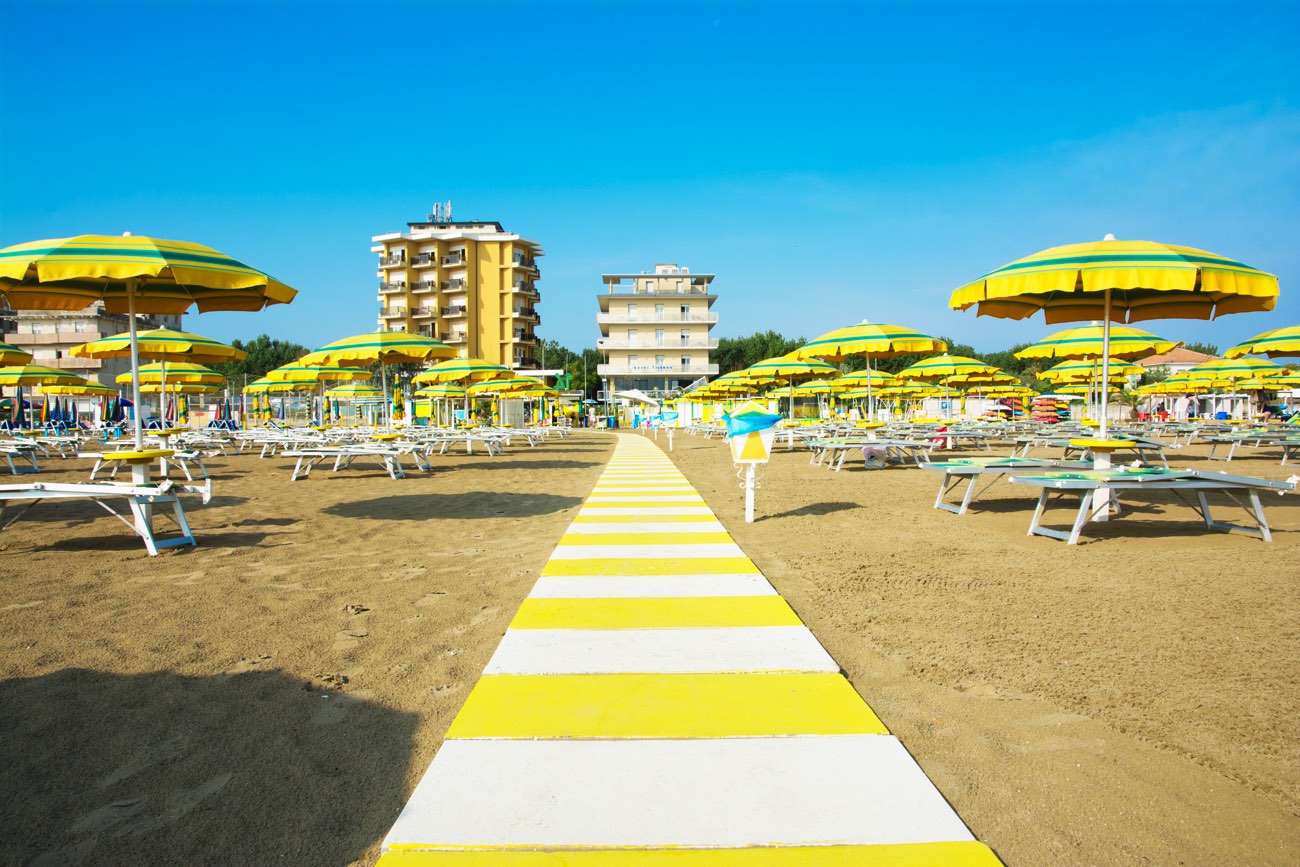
1204,348
264,353
737,353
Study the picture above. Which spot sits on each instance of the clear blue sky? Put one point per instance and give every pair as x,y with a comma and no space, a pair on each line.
828,161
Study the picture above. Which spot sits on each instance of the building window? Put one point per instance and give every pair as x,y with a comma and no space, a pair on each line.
80,326
686,337
686,362
659,312
659,337
631,310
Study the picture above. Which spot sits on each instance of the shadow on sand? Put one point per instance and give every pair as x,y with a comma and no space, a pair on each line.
467,506
814,509
238,768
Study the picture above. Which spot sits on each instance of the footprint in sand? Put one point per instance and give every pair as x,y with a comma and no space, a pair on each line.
430,598
178,805
147,757
18,606
246,663
332,708
107,817
485,614
346,639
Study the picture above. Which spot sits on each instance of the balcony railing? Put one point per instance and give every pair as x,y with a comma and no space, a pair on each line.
424,312
392,260
522,336
394,286
650,343
453,285
392,312
454,337
423,260
671,316
426,286
454,260
455,311
525,261
649,368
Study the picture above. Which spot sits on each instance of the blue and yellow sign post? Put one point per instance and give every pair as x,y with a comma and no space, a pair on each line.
750,432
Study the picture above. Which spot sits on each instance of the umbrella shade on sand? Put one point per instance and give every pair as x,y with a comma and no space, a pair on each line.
12,355
382,348
1086,342
1278,343
131,275
1119,281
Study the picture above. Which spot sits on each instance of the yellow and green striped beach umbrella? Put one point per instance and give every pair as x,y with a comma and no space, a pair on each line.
872,339
180,371
81,389
1086,342
161,344
1235,368
1083,370
1278,343
505,386
463,370
354,390
310,374
786,368
442,391
14,355
35,374
264,385
384,347
947,367
866,379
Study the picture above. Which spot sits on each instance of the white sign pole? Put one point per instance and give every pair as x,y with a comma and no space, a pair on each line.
749,493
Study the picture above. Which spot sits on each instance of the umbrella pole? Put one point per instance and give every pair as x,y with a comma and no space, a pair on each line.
871,400
388,412
1105,364
135,371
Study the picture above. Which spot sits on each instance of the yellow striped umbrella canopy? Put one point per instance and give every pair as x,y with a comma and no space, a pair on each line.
310,374
819,386
35,374
1083,370
1181,384
1137,280
178,371
1262,383
872,339
384,347
904,388
179,388
161,276
730,382
354,390
1085,342
975,381
866,378
161,344
13,355
786,368
263,385
1235,368
1281,342
81,389
1007,391
943,367
444,390
463,370
506,386
1083,389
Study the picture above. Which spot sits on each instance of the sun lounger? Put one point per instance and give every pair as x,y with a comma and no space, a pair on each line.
1127,480
141,499
972,470
180,457
833,452
24,453
343,455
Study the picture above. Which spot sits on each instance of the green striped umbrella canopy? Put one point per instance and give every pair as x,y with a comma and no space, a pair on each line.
786,368
1235,368
820,386
442,391
1281,342
13,355
505,386
947,367
35,374
903,387
161,344
179,388
1080,388
1086,342
872,339
132,274
1083,370
354,391
264,385
868,379
315,373
384,347
181,371
81,389
463,370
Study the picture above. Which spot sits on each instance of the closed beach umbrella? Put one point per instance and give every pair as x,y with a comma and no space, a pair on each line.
132,274
1123,281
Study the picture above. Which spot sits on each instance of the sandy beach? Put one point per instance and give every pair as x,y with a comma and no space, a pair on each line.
275,693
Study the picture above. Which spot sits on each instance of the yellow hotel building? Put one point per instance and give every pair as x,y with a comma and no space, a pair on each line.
472,285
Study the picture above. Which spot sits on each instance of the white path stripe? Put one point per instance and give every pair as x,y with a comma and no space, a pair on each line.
581,529
645,552
600,511
643,586
668,651
646,498
849,789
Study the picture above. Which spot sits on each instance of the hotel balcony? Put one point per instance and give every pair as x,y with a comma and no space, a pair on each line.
392,313
455,260
395,286
527,263
528,315
607,343
615,317
454,337
453,285
649,368
393,260
424,312
455,312
521,336
426,286
425,260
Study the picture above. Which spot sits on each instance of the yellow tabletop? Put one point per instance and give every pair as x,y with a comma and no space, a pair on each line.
869,425
387,436
1102,445
143,456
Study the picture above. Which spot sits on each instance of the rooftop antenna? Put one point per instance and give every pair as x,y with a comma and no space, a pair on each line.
447,210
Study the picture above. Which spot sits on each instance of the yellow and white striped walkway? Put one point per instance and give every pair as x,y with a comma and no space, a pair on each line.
655,702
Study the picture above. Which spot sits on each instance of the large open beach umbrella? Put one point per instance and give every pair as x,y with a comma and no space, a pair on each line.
1087,341
382,347
870,340
308,376
463,371
12,355
1119,281
787,369
951,371
1278,343
444,392
132,274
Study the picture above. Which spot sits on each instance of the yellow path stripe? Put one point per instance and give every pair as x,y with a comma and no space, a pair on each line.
654,613
637,519
645,539
666,566
663,706
959,854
